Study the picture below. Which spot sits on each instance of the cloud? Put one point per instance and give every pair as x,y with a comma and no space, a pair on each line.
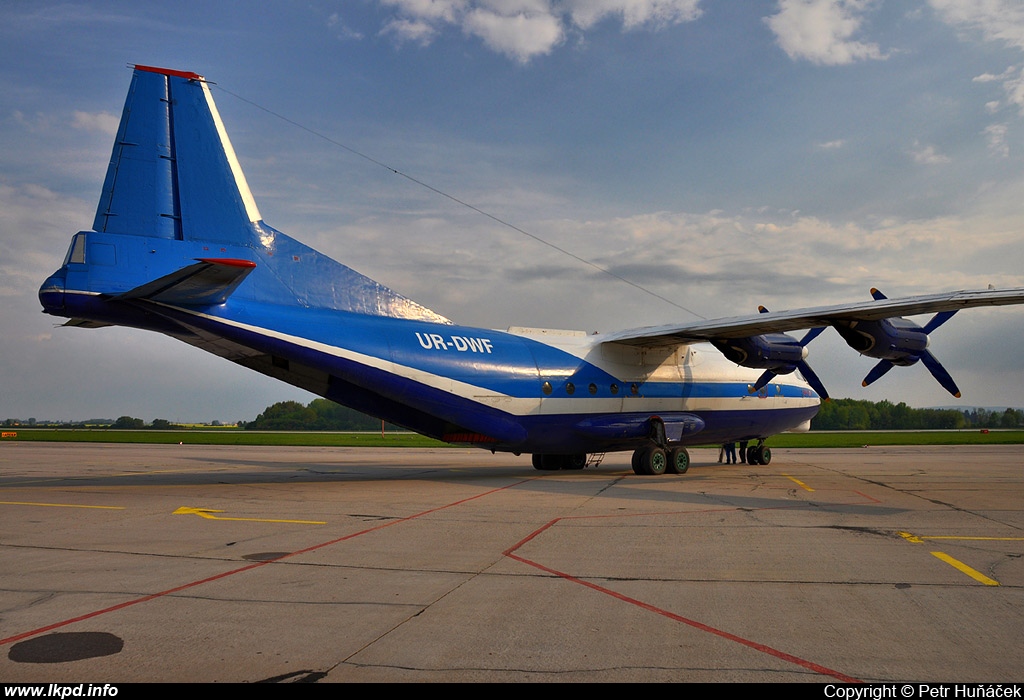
927,155
102,122
635,13
415,31
822,31
521,36
1001,21
525,29
997,20
996,136
344,31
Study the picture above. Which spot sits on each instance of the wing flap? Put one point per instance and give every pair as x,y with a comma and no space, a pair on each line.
208,282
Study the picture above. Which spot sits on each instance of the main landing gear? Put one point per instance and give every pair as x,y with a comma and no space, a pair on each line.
651,460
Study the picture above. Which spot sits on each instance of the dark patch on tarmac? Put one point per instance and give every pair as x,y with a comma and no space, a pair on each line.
296,677
265,556
60,647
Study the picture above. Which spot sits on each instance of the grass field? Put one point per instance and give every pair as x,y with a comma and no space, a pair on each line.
221,436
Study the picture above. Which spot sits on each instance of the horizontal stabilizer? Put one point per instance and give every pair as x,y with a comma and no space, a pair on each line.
84,323
210,281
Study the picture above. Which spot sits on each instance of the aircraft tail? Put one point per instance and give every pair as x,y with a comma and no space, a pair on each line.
174,176
173,173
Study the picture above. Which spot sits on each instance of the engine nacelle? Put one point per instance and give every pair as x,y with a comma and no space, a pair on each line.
778,352
895,339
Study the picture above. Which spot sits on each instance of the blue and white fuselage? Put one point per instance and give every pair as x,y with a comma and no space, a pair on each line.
521,390
178,246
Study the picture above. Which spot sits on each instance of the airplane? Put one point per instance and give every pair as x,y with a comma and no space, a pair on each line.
178,246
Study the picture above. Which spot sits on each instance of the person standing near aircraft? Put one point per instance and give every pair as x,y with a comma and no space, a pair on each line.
730,453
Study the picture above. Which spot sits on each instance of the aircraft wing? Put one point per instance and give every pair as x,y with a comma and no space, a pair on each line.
814,317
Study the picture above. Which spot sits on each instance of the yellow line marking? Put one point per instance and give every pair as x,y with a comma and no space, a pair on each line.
798,482
976,575
921,538
964,537
206,513
57,505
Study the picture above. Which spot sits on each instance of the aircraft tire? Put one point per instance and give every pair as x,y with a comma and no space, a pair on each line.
652,461
546,463
575,461
765,455
637,461
754,455
678,460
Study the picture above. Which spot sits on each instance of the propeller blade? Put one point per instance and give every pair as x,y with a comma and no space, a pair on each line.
763,380
877,371
811,335
938,319
940,373
812,379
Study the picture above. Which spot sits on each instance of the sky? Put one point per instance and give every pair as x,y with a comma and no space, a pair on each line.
720,155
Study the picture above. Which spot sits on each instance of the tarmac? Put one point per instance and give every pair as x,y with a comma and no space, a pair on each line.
185,563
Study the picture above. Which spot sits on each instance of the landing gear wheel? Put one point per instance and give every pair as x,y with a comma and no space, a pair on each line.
577,461
650,461
546,463
637,461
678,460
762,454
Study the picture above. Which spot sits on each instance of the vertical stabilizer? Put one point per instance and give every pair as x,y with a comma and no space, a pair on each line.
173,173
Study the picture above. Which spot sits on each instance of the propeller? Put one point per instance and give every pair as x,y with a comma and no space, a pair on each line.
805,369
924,355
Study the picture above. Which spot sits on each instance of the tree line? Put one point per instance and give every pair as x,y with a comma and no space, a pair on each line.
319,414
837,414
851,414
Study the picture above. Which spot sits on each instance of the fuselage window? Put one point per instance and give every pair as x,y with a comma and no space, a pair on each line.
592,388
615,389
570,388
76,253
634,389
546,388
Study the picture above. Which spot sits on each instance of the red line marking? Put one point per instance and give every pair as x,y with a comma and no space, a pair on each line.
757,646
248,567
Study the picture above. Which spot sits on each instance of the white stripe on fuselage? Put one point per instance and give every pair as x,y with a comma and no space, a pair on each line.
703,364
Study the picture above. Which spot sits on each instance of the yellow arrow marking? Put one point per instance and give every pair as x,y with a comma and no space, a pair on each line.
798,482
921,538
976,575
206,513
57,505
